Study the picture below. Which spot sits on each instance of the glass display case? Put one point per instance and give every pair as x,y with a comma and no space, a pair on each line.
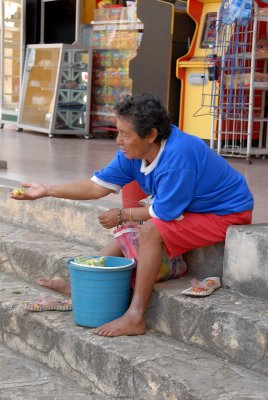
56,90
12,55
115,39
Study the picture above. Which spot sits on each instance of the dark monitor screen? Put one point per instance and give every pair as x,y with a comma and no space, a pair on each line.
59,21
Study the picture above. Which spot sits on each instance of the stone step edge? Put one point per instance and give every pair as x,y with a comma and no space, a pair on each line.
33,380
226,324
139,367
31,253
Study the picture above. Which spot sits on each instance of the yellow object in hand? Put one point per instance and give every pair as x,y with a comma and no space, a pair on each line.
18,192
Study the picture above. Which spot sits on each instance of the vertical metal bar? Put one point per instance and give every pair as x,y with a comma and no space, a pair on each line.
42,22
1,54
78,21
221,91
263,94
251,88
213,115
22,40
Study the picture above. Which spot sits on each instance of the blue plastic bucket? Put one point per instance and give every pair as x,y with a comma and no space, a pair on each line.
100,294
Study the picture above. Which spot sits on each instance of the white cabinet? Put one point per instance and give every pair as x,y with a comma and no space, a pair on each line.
12,54
56,90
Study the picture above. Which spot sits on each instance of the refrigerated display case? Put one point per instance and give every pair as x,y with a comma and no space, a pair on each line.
115,39
12,55
56,90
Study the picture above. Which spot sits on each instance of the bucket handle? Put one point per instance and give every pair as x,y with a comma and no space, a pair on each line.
72,259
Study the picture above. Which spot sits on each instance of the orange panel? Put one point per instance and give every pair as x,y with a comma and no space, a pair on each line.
88,7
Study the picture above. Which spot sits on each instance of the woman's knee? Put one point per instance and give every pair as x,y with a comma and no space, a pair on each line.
149,232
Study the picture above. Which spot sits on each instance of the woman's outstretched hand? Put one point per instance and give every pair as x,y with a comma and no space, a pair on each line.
29,191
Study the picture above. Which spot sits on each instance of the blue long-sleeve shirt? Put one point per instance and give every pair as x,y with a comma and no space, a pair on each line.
185,176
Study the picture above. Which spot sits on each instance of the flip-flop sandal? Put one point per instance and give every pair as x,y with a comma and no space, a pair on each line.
203,288
48,304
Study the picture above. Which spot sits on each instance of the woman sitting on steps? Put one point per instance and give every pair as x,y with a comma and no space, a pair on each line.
196,196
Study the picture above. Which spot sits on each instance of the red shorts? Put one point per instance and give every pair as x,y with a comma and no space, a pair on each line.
197,230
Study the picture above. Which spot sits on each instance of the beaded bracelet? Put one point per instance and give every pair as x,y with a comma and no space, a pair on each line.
119,217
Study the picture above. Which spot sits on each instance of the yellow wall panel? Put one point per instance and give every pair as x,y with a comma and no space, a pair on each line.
88,7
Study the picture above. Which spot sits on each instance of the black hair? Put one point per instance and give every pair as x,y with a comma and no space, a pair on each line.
145,112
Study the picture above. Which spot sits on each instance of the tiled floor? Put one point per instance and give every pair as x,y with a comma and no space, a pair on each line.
33,156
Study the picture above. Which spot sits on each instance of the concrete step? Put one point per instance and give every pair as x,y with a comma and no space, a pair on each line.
31,252
226,324
22,378
246,260
151,366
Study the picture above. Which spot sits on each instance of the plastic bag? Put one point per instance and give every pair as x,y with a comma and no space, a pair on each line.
127,239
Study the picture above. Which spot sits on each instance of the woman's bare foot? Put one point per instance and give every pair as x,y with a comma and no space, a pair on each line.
58,284
127,325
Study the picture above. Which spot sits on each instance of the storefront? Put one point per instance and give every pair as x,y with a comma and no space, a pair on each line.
64,64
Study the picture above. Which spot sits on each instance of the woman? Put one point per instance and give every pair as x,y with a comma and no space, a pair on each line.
195,196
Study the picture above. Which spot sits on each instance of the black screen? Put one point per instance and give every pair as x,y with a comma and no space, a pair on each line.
59,23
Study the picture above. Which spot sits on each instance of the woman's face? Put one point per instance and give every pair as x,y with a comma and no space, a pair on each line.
132,145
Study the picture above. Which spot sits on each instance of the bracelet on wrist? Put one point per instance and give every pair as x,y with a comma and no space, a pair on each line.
130,214
119,217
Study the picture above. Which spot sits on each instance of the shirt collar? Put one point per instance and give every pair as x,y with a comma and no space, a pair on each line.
146,169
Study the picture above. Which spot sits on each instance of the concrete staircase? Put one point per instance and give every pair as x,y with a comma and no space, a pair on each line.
212,348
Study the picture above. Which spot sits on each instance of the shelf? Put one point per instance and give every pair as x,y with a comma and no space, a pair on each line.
119,27
46,67
10,94
260,85
73,90
9,45
65,109
11,58
38,108
11,29
12,20
103,113
11,76
243,151
44,88
262,17
77,67
117,22
248,56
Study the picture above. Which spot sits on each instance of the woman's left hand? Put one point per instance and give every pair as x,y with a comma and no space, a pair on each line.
109,219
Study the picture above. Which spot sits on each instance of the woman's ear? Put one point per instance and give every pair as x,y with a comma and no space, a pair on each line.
152,135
